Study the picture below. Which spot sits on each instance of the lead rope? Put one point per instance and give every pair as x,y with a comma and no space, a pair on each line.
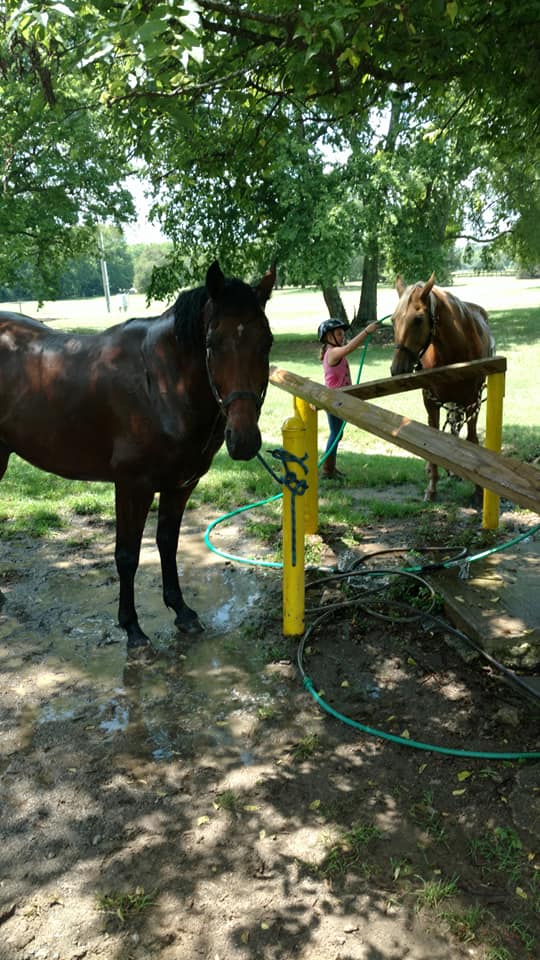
297,486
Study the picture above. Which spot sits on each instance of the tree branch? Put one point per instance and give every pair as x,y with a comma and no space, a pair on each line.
474,239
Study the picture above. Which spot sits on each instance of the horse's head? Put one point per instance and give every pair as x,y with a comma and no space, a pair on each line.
238,342
413,321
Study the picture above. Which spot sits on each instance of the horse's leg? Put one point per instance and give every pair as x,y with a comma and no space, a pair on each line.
171,511
433,412
4,457
472,436
132,506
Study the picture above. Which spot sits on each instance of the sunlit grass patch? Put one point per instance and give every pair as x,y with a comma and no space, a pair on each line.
499,850
32,520
465,924
434,892
349,851
34,503
229,801
124,906
306,747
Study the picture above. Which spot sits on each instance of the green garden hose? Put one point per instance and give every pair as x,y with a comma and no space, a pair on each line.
393,738
403,741
416,744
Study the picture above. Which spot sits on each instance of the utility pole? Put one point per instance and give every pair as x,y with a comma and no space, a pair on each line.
104,271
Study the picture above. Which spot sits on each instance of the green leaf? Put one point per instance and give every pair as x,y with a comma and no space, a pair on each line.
452,10
312,52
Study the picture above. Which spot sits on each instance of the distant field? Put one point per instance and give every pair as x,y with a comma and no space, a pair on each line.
302,310
63,314
291,310
295,313
34,502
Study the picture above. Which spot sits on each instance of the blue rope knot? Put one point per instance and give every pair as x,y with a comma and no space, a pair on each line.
297,486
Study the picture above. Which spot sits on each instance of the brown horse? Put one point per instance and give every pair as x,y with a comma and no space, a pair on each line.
146,405
433,328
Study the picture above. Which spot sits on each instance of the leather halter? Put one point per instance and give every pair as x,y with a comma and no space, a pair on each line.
225,402
432,318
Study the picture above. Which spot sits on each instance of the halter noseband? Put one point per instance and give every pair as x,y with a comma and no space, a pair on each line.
225,402
432,318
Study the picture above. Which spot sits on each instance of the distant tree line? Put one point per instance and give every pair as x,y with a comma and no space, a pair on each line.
131,267
128,267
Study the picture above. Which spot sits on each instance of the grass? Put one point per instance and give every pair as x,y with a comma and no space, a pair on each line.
229,801
348,851
428,817
125,906
35,503
499,851
465,924
305,748
432,893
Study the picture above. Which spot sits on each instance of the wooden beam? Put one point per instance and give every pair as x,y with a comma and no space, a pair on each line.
509,478
402,382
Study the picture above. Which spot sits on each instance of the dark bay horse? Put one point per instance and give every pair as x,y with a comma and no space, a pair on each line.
146,405
433,328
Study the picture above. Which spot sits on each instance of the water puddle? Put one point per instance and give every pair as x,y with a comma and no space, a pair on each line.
211,691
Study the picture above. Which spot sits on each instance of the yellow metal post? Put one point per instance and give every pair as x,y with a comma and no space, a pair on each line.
294,442
493,441
308,415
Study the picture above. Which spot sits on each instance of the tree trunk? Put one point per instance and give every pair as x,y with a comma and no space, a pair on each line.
367,310
333,301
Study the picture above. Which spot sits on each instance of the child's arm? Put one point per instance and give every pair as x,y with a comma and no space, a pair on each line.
335,354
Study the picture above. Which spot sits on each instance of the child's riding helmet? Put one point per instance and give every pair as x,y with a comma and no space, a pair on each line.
332,324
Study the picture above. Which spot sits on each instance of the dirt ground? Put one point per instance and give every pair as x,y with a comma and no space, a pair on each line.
207,806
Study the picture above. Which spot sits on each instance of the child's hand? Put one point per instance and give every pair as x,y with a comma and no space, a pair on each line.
371,327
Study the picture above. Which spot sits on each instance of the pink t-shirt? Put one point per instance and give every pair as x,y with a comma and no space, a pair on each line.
338,375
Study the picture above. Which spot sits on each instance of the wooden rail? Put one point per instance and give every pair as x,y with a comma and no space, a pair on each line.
516,481
453,373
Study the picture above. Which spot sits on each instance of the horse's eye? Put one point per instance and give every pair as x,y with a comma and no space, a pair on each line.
418,320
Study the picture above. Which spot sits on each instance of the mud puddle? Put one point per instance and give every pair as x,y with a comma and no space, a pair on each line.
58,633
208,793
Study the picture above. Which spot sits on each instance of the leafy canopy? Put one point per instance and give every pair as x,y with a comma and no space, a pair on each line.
233,107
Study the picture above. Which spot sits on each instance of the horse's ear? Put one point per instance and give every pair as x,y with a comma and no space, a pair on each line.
215,280
400,286
266,285
427,288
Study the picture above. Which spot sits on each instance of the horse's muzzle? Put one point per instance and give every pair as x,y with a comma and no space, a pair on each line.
243,444
242,434
403,361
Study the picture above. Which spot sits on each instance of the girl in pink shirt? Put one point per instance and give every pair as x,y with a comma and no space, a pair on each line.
337,374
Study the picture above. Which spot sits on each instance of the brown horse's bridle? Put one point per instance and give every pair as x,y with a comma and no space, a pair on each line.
225,402
432,318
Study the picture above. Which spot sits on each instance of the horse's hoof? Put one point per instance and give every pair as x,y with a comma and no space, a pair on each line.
141,652
189,625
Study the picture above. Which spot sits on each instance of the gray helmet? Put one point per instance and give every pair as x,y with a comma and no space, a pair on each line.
332,324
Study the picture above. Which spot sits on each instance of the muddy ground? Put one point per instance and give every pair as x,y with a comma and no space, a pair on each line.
206,806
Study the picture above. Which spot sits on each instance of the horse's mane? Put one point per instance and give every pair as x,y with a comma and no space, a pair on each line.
187,316
236,296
